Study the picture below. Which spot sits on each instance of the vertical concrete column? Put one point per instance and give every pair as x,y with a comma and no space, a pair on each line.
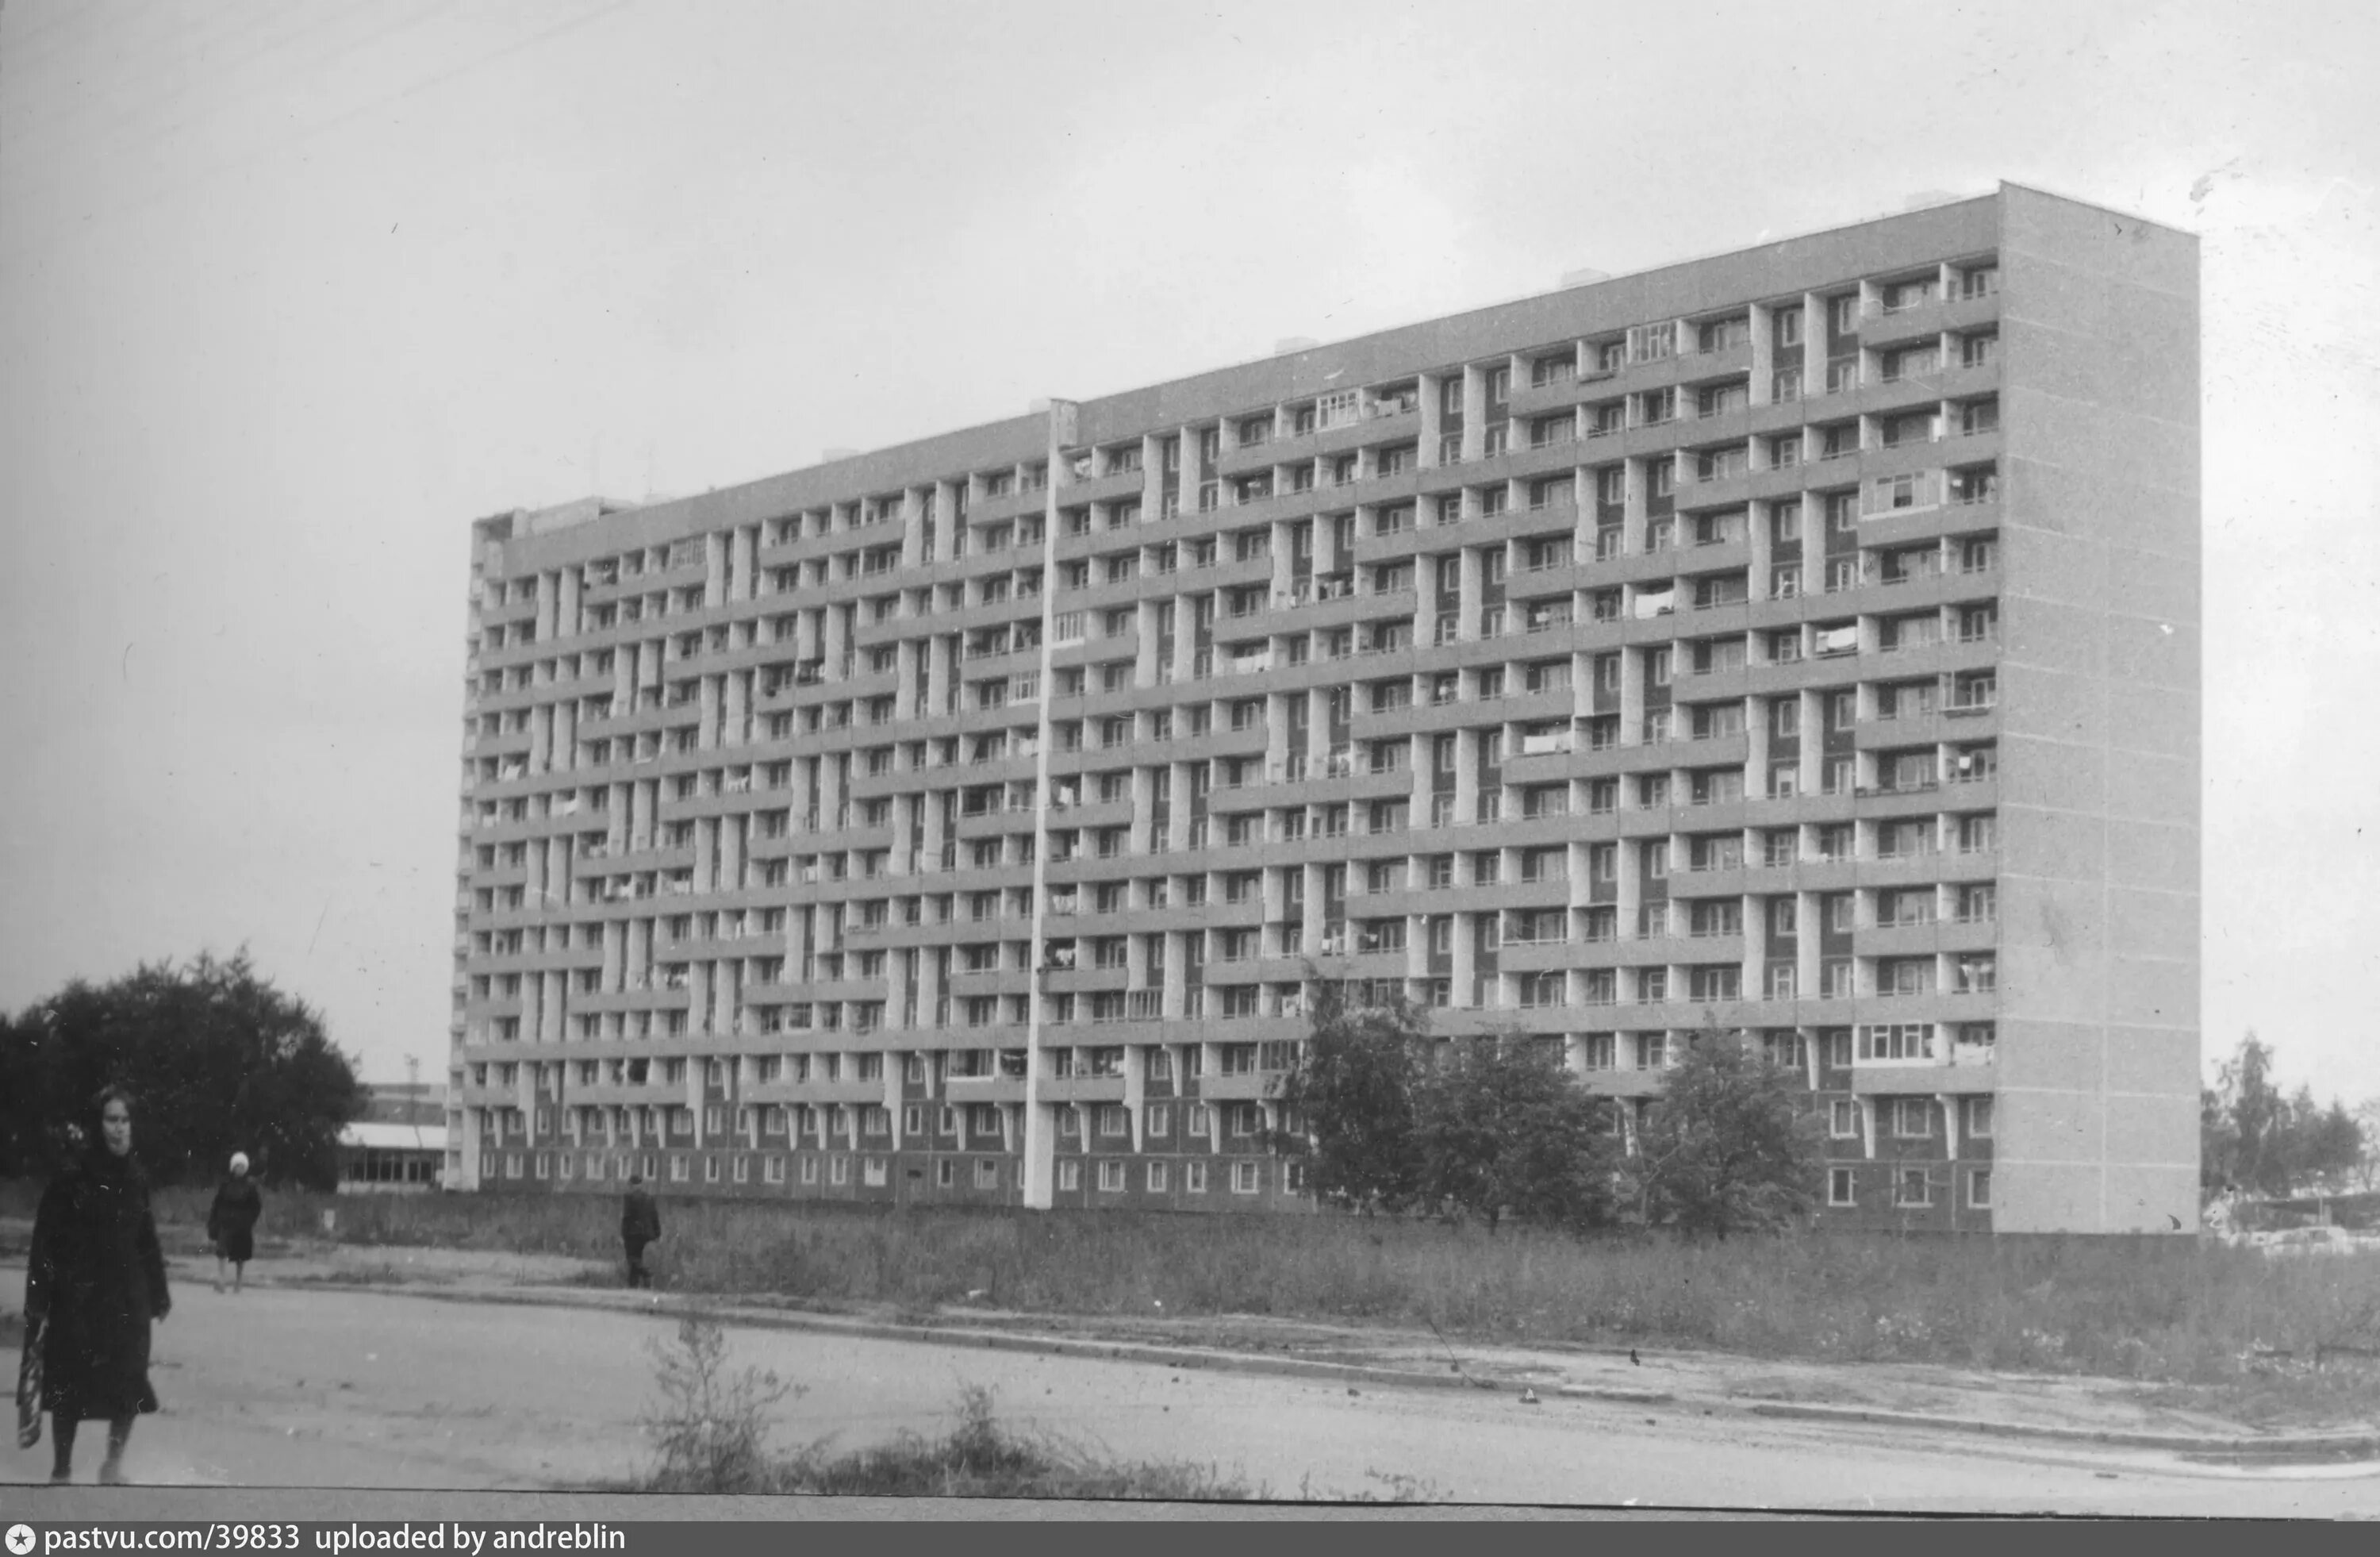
565,736
549,601
1474,413
731,853
1466,774
913,526
735,713
1433,419
907,661
565,624
1814,345
708,700
714,570
1764,355
1466,961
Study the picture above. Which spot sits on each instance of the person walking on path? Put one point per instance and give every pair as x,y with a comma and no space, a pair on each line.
231,1223
95,1280
641,1224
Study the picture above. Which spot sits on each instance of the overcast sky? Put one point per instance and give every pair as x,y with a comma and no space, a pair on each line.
290,292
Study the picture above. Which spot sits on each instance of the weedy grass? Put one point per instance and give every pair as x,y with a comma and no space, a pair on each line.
2177,1311
711,1428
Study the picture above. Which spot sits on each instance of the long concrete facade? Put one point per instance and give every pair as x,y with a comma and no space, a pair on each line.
1804,640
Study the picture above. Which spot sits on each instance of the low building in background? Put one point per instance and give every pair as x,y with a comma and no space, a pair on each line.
399,1146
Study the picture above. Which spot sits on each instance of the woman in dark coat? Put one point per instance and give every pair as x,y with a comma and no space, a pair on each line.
95,1280
231,1221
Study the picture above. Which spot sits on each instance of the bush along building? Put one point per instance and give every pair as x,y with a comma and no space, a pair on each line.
1804,638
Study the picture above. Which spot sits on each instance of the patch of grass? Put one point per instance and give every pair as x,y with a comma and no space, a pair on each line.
712,1425
982,1457
2160,1311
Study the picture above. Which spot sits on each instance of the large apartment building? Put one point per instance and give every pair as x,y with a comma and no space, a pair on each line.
1804,640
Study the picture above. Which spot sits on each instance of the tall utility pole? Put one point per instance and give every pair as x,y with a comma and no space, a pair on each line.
1040,1133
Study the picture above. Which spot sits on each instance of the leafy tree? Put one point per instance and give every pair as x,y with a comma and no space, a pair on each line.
1729,1145
2252,1113
218,1059
1352,1095
1502,1126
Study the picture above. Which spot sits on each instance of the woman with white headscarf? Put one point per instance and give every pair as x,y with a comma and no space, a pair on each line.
231,1221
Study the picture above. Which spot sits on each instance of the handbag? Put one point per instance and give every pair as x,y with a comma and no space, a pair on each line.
29,1388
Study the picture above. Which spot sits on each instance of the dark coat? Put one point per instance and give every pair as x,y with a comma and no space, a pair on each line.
231,1221
96,1275
641,1220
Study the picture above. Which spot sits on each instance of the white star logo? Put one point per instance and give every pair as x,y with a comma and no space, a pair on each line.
20,1538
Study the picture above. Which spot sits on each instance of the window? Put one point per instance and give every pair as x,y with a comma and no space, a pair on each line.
1112,1177
1979,1118
1839,1188
1194,1177
1912,1118
1913,1186
1842,1119
1979,1189
1246,1178
1069,1175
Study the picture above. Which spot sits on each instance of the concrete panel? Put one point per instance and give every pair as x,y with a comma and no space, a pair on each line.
2154,992
2155,459
2151,1132
2161,584
2030,1198
2157,587
2109,347
2154,653
2150,854
2152,926
2144,786
2052,845
2037,698
2038,228
2154,1060
2051,633
2055,564
2058,775
2153,720
2055,985
2058,1055
2150,1198
2029,1126
2075,500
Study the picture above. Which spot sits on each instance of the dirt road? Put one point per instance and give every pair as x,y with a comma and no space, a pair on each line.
300,1387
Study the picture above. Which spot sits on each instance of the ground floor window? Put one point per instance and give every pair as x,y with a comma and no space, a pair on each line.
545,1164
743,1169
1292,1177
946,1173
512,1165
1246,1178
710,1170
838,1169
1069,1176
775,1170
1112,1177
1156,1178
871,1173
1979,1189
1194,1177
809,1170
1916,1188
1839,1188
987,1174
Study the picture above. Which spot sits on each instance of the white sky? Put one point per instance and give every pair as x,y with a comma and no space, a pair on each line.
291,292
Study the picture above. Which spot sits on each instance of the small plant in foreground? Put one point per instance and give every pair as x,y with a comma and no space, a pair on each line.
711,1429
983,1457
